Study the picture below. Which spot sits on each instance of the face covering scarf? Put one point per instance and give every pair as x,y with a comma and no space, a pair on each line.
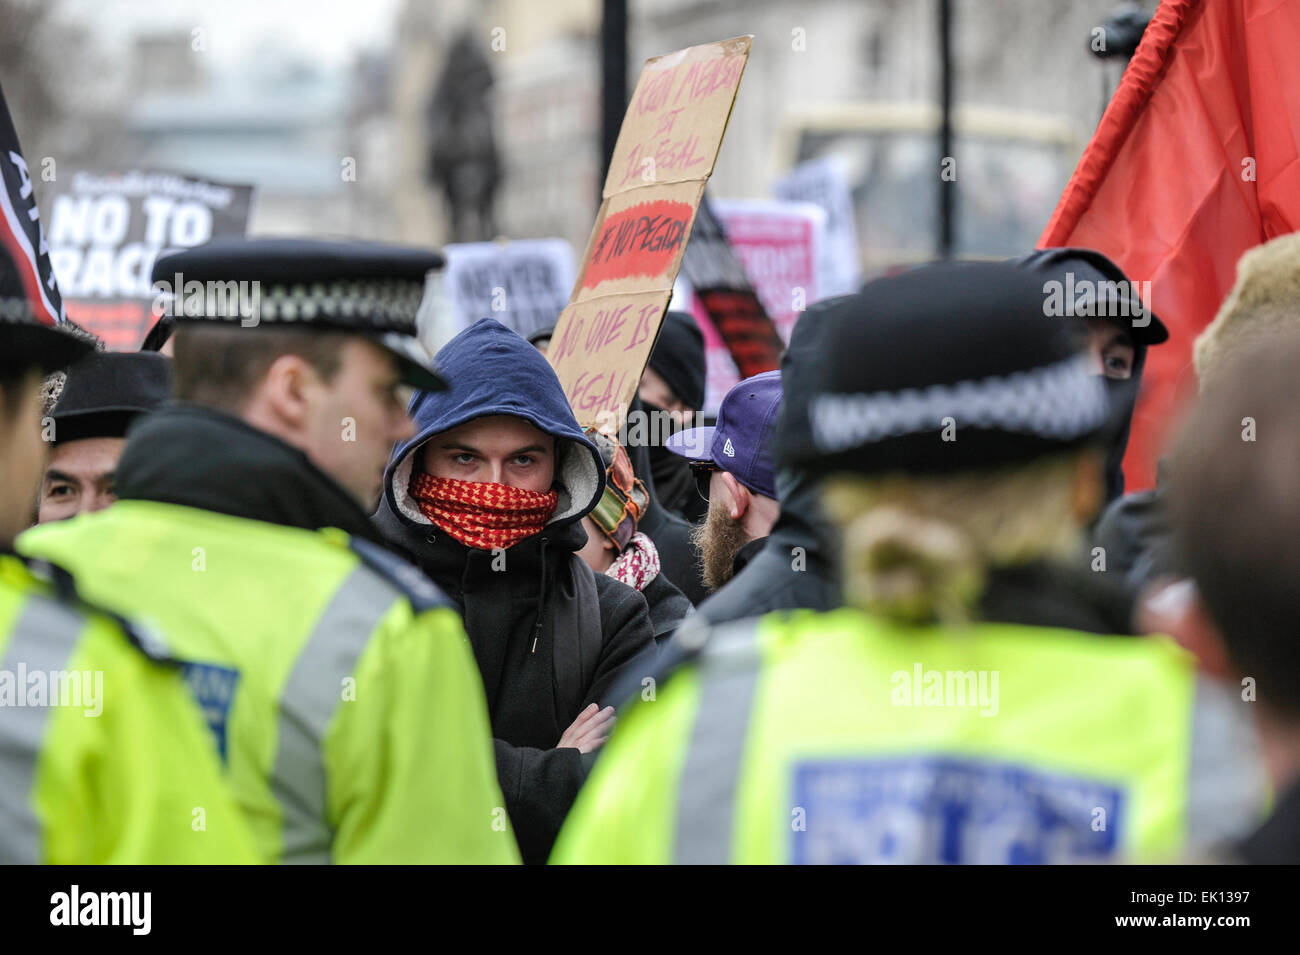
482,515
638,565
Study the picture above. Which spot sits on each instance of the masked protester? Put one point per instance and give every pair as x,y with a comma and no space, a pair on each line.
669,531
1117,326
488,497
733,467
101,396
955,431
615,547
672,390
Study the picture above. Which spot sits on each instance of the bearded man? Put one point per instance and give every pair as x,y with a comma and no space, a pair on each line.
733,469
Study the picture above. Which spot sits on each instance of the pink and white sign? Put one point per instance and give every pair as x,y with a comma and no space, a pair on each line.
778,243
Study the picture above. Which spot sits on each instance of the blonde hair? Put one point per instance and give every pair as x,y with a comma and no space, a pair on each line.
1263,302
918,549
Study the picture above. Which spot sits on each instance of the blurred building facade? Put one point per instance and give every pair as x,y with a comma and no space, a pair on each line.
855,77
347,151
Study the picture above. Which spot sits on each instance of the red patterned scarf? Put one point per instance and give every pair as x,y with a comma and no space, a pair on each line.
482,515
638,565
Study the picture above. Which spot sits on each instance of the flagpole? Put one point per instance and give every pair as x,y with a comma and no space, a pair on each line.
947,182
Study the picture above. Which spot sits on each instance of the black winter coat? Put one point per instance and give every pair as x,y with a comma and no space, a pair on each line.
549,636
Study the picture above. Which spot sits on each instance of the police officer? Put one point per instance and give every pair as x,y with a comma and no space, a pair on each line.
103,755
973,701
101,396
338,681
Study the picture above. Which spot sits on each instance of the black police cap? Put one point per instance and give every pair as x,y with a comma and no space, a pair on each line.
367,288
105,392
1076,268
944,368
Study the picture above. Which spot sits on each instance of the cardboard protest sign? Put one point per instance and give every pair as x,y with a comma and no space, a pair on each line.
666,150
106,230
825,183
20,226
639,239
523,284
724,291
606,341
673,127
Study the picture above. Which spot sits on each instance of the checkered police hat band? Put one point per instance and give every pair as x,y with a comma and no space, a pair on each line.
386,305
1059,402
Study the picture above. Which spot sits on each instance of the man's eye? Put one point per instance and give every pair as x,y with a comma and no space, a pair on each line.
59,490
523,460
463,458
1118,364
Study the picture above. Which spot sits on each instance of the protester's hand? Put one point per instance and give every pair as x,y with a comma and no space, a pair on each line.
589,730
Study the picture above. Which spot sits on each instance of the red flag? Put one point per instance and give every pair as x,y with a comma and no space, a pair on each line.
1196,160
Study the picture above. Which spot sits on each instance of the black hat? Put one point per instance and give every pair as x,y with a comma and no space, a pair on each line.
105,392
26,342
542,334
1091,285
678,358
367,288
944,368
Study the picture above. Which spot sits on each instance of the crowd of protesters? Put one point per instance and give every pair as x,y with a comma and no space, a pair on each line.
893,604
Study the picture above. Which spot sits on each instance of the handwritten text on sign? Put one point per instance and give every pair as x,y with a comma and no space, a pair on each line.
677,116
603,342
640,241
665,152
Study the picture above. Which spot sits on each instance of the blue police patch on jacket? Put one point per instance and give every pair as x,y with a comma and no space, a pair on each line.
214,688
945,810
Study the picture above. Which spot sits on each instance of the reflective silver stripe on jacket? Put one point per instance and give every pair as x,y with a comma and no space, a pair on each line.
311,694
706,798
44,636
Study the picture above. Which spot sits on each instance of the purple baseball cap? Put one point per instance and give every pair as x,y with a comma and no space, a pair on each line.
741,442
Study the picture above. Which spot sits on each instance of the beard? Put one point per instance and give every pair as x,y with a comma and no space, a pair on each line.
718,539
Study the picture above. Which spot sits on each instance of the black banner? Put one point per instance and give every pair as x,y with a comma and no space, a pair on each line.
20,225
724,289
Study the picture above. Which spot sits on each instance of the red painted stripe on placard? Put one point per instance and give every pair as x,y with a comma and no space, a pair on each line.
642,240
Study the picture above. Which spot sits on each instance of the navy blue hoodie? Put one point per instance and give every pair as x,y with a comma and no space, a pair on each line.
549,636
493,371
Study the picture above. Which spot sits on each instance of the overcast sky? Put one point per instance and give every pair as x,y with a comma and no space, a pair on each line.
327,32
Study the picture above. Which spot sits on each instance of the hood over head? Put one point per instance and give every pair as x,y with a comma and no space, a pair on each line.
678,358
494,371
1117,299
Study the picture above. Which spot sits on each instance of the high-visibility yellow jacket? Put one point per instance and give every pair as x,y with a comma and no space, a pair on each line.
842,738
104,757
337,679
